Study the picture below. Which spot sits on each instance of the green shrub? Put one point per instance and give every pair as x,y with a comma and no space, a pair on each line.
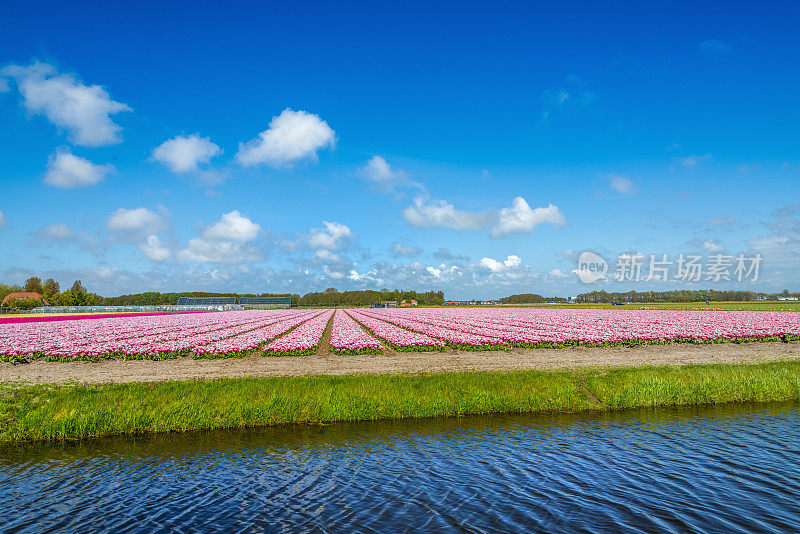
24,304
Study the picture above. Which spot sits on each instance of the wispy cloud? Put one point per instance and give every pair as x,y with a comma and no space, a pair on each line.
692,161
84,111
384,178
621,184
721,221
62,233
572,98
404,251
713,47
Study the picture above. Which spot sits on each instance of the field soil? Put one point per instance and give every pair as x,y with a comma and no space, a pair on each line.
327,363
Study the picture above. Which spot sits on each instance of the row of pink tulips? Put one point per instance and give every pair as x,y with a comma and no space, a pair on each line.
347,337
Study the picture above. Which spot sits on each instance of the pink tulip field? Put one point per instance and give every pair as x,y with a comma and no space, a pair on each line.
302,340
367,331
251,339
536,327
398,338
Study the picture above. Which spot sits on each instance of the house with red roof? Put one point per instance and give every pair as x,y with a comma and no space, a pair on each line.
13,296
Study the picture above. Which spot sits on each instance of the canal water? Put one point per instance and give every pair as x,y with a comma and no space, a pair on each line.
711,469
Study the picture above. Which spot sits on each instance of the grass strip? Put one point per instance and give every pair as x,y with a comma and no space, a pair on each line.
696,384
70,412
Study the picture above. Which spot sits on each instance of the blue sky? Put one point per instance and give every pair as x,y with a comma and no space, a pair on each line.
472,148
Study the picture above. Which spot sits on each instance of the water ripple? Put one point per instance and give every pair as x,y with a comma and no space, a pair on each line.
731,469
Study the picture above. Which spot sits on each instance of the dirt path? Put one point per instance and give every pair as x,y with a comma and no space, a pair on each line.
324,350
108,371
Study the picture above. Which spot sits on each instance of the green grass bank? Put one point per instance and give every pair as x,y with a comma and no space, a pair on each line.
29,413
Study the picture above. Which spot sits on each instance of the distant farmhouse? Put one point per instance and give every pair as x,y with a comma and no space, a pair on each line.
15,296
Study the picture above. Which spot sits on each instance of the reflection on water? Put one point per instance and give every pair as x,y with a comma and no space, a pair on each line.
732,468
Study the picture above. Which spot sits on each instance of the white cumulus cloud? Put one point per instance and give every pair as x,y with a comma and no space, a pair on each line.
154,249
184,153
67,170
518,218
334,236
291,137
233,226
496,266
84,111
226,241
136,222
492,264
441,213
434,271
521,218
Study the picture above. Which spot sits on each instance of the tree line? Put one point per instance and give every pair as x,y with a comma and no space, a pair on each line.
333,297
684,295
76,295
153,298
330,297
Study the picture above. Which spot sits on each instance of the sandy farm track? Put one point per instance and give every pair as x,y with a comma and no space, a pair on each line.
111,371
